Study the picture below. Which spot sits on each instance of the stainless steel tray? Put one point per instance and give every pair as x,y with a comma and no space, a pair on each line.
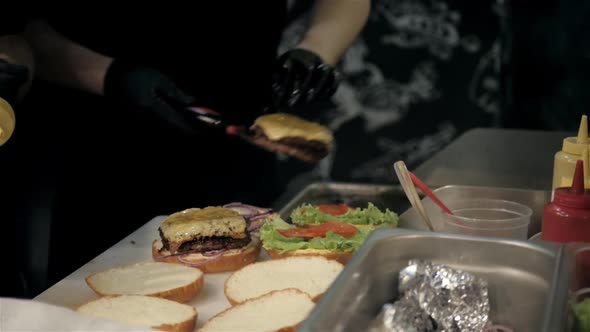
535,199
394,198
580,273
574,275
383,196
522,277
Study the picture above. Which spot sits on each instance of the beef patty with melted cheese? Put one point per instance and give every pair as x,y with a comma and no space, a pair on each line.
294,136
200,230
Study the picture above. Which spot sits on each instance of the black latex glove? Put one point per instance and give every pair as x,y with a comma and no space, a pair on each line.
150,90
12,77
301,77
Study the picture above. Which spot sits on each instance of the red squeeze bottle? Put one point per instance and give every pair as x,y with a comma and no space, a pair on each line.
567,219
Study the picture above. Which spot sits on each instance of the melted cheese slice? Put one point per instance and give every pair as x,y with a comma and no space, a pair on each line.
198,223
282,125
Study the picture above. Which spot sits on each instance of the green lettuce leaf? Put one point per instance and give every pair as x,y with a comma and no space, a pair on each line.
273,240
371,215
582,316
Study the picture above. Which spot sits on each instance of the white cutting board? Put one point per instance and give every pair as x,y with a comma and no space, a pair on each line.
73,291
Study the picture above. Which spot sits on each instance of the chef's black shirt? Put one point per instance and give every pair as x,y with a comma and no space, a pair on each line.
218,51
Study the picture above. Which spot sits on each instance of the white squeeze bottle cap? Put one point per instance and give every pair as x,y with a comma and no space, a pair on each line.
7,121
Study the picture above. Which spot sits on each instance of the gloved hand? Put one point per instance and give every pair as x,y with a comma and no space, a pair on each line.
302,77
12,77
150,90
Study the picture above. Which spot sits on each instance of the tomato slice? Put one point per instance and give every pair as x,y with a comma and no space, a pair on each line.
342,229
334,209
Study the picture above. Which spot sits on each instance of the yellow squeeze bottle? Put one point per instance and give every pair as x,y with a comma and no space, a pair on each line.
7,121
573,149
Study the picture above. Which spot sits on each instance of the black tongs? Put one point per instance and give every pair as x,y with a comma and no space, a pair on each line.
214,119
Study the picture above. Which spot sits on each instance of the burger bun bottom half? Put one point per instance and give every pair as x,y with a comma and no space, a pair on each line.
230,260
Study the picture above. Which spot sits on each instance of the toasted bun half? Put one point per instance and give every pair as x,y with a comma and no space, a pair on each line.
165,280
310,274
230,260
281,311
146,311
342,257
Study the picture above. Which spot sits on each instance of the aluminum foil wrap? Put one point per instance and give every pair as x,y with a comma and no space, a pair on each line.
457,300
404,315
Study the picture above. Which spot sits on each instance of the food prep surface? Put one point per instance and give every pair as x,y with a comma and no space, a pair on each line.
521,275
73,291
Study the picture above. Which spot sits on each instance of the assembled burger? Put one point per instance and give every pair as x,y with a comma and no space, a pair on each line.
214,239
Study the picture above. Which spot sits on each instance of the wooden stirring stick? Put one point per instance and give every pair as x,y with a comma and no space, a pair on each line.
406,182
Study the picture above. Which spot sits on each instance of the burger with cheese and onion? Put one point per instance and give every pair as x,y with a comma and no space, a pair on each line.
213,239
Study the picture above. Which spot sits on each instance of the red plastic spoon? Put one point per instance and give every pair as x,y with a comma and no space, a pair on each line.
428,192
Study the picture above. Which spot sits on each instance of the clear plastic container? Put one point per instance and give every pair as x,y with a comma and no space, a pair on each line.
488,217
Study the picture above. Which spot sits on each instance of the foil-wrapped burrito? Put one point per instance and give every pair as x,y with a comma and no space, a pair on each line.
436,298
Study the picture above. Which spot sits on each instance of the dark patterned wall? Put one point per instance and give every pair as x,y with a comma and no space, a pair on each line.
420,74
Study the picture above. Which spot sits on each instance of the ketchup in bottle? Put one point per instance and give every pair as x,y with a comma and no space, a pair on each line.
567,219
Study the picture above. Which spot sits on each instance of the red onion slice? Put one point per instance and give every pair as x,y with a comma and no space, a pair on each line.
181,254
255,225
197,264
246,210
260,216
242,209
206,253
213,253
163,258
